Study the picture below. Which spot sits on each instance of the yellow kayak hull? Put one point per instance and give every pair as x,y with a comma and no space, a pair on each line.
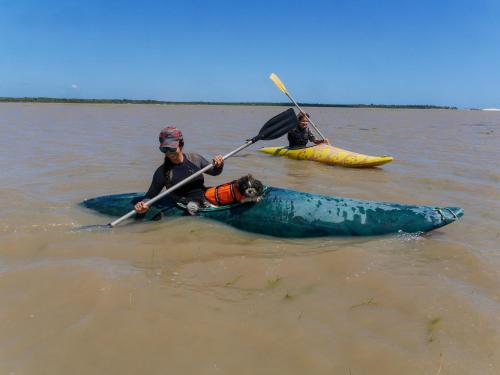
329,155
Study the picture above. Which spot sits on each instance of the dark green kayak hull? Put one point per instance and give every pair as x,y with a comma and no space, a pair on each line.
289,213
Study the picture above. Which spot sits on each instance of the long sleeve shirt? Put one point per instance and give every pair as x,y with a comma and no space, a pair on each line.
298,138
175,173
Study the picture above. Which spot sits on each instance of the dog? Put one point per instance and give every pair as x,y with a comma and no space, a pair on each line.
245,189
251,188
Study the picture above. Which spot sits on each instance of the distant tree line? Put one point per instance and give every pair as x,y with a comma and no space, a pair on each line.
148,101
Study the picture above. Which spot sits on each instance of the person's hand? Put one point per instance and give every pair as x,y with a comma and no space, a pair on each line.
218,161
141,208
326,141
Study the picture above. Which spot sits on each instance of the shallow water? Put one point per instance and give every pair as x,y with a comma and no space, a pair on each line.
193,296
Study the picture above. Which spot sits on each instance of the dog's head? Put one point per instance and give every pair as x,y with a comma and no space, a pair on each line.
250,187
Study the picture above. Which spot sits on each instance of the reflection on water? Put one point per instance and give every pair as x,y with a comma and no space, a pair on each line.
194,296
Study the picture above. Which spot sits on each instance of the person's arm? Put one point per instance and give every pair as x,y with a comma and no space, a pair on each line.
313,139
318,141
290,139
157,184
155,188
201,162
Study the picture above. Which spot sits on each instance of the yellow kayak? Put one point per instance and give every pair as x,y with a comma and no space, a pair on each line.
330,155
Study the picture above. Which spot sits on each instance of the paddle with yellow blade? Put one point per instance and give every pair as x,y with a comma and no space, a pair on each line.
273,77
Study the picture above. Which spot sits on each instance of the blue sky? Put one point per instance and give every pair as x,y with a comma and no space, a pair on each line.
387,52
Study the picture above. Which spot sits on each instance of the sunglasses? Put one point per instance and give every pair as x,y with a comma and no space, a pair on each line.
166,149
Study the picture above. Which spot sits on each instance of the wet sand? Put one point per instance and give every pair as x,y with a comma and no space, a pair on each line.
192,296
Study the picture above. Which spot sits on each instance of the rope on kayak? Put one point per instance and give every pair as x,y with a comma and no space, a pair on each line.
443,217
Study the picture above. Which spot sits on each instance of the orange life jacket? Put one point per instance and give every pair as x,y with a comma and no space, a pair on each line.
224,194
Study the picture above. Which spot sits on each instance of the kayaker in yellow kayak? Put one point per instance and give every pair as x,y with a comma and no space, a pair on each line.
298,137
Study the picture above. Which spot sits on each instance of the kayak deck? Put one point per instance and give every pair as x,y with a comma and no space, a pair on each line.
330,155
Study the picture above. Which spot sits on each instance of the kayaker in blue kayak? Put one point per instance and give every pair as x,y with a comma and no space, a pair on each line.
176,167
298,137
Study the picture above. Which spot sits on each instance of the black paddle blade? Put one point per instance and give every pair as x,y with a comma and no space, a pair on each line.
278,126
93,228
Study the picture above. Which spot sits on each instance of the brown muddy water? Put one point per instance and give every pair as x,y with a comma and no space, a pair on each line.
197,297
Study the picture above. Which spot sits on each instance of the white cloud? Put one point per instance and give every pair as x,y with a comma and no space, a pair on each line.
74,86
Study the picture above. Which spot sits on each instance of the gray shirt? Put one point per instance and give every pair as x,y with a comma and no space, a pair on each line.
169,174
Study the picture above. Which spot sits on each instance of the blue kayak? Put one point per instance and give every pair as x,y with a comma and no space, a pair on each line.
295,214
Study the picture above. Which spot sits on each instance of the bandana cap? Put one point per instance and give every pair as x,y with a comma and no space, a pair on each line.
170,137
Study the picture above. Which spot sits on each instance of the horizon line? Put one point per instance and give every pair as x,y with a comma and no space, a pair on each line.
44,99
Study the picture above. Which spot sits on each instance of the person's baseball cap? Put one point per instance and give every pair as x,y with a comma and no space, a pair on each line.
169,138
